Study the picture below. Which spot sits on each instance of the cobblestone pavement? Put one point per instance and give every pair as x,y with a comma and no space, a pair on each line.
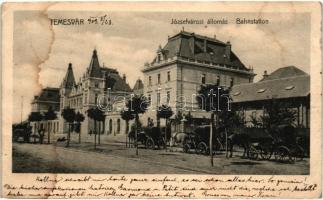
117,159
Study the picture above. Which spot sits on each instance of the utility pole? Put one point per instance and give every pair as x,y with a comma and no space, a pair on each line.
22,108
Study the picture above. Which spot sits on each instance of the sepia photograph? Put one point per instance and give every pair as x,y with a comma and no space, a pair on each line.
162,93
112,95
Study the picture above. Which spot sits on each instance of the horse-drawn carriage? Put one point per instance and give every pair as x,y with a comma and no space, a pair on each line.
198,141
21,132
150,137
281,142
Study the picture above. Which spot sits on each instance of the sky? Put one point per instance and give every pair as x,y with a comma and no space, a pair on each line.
42,52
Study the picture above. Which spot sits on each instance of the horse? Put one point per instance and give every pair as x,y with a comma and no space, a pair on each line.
240,139
178,138
132,138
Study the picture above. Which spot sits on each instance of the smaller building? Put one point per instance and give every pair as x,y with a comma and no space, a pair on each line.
287,84
47,99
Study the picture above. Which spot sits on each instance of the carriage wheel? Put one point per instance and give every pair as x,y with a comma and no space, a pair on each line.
253,153
186,148
265,152
298,153
150,144
282,154
162,143
202,148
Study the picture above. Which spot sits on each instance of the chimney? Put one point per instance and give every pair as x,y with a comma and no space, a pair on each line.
124,78
228,50
214,36
192,43
205,45
265,74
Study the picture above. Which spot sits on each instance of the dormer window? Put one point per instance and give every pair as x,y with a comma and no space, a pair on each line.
159,57
261,90
289,87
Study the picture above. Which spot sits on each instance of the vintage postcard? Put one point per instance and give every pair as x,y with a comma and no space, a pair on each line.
161,100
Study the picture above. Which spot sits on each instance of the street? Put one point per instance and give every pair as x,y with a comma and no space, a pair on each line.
117,159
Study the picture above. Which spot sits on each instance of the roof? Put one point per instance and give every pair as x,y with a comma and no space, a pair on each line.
94,67
48,94
297,86
113,79
117,83
69,80
138,85
192,46
284,72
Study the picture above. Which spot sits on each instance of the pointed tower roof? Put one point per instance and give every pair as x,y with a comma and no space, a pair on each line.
138,85
69,80
94,68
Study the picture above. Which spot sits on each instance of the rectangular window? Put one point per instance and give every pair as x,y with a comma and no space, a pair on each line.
96,98
203,78
96,85
158,99
168,97
149,100
168,76
85,98
218,80
149,80
158,79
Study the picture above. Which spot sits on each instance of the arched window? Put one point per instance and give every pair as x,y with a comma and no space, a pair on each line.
231,82
118,126
110,126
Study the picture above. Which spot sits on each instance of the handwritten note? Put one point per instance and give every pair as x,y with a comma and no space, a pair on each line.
160,186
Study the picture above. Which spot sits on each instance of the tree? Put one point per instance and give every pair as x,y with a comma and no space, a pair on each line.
216,100
127,116
137,104
165,112
35,117
69,116
277,113
79,117
49,115
97,115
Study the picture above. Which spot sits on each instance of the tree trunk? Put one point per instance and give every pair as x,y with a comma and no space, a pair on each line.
226,143
165,143
99,140
137,134
48,133
211,138
68,135
126,132
79,124
95,134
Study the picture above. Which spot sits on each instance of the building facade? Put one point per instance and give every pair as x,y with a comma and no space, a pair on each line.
288,85
97,83
185,63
